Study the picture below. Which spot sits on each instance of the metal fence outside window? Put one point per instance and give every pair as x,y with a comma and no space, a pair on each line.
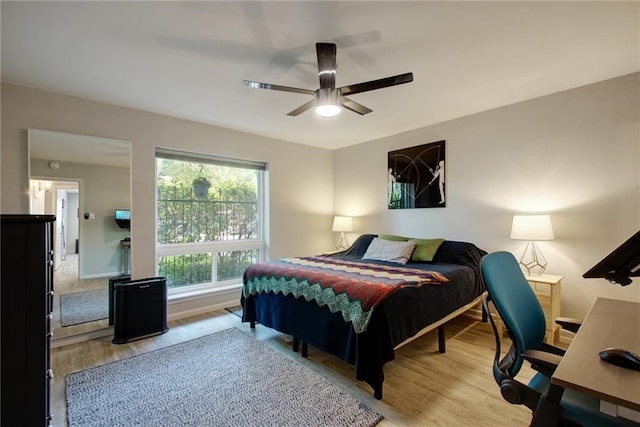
185,218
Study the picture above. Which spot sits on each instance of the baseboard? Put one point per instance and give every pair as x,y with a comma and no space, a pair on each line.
200,310
99,275
74,339
193,305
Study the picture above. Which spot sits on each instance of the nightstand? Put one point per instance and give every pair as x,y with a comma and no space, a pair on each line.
547,290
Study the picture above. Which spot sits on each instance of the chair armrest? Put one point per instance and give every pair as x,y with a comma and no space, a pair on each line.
517,393
548,348
543,362
569,323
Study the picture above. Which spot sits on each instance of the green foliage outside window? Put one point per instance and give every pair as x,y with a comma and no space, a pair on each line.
181,270
233,263
229,211
226,210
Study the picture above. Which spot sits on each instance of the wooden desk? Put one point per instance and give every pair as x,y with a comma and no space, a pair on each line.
609,323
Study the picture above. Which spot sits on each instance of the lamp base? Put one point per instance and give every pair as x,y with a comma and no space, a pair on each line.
532,260
342,243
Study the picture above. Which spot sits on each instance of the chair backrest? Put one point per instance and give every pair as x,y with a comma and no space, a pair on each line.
515,302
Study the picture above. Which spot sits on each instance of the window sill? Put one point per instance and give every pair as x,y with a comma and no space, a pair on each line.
200,293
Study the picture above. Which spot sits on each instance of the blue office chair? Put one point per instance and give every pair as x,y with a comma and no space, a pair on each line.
523,317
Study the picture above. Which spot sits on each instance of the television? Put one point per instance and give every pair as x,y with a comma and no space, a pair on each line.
621,264
123,218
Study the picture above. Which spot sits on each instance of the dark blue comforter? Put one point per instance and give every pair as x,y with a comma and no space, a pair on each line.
399,317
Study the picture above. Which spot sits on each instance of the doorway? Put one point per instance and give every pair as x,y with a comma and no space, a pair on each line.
62,199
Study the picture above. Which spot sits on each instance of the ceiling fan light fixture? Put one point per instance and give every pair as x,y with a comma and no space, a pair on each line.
328,110
327,102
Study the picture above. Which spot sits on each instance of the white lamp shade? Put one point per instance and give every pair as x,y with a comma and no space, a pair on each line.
342,223
532,227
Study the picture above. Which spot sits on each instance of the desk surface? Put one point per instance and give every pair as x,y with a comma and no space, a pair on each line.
609,323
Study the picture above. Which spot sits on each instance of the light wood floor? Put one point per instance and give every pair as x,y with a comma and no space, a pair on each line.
422,387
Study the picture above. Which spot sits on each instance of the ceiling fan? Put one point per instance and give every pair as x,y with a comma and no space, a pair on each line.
328,99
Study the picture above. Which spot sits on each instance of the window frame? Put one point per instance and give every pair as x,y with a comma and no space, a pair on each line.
216,246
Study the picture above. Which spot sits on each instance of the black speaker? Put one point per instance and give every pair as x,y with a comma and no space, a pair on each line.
140,309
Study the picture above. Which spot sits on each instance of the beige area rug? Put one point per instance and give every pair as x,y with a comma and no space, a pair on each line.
225,379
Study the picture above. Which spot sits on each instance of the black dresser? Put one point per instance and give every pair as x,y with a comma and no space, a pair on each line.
26,283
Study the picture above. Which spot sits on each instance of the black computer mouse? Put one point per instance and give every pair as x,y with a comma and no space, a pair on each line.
620,357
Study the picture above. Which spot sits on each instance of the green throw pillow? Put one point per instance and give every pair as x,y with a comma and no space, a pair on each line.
425,249
392,238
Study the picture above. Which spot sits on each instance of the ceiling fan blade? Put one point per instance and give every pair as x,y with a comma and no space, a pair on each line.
376,84
258,85
301,109
326,65
354,106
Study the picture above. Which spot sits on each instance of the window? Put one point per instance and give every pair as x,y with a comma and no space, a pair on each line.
209,219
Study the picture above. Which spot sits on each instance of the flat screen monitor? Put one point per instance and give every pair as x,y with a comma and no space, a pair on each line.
123,218
621,264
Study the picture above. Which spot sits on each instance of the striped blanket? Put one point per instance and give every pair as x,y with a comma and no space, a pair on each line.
352,288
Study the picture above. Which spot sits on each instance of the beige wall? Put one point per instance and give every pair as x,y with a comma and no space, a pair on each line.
573,154
300,177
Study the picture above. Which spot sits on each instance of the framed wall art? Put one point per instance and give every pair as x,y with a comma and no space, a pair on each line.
416,177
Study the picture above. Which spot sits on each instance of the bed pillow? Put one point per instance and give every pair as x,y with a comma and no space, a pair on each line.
359,247
388,250
425,249
392,237
464,253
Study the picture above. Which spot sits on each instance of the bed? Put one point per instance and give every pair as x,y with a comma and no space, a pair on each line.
361,309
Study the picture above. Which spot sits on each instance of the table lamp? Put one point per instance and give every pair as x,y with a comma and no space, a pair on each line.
342,224
532,228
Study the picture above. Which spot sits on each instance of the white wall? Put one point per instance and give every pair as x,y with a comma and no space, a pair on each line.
37,196
59,199
573,154
300,177
72,221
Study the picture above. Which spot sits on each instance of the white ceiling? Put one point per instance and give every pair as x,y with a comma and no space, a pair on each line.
188,59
